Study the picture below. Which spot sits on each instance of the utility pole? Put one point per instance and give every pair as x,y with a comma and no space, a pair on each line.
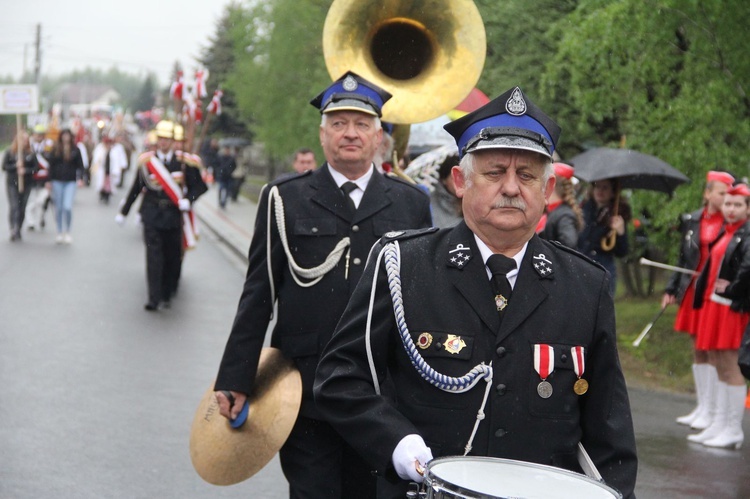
38,58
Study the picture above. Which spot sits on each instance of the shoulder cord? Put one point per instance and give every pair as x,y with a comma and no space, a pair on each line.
441,381
315,273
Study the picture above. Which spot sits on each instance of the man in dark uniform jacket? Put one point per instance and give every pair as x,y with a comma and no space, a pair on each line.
319,239
161,216
437,325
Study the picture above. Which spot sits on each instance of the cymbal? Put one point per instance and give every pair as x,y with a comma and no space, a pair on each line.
225,456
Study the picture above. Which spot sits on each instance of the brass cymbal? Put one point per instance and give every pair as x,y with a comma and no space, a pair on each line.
225,456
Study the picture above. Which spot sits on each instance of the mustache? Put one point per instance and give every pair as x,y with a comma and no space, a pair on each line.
510,202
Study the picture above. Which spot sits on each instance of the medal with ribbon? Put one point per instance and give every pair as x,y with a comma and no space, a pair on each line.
544,364
579,366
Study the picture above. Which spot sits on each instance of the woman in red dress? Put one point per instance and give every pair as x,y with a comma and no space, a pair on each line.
722,294
698,229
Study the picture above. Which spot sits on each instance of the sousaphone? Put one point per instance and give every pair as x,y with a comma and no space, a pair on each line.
429,54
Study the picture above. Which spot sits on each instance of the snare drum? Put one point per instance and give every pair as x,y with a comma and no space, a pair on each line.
493,478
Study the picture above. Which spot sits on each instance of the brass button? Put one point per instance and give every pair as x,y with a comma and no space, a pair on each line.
500,351
500,389
356,261
314,230
355,228
500,433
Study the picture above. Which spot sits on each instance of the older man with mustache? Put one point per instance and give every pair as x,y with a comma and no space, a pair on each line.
482,339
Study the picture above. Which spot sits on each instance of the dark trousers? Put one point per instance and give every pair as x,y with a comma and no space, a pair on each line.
318,464
163,255
17,200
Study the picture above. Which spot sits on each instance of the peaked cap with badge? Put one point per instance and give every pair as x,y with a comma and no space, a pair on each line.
510,121
351,92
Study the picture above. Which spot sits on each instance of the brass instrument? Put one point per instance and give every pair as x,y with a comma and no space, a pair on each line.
429,55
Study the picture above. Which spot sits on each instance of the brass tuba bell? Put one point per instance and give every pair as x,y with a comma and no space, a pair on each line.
428,54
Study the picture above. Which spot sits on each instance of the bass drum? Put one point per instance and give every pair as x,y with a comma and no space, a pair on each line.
493,478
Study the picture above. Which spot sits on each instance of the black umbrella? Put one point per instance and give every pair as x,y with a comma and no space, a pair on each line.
633,169
233,142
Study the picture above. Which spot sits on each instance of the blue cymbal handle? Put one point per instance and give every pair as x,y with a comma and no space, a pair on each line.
241,417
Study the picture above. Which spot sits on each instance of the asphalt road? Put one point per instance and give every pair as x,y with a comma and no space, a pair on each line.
97,396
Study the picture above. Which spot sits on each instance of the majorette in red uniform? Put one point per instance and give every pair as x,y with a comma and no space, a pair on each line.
722,293
698,230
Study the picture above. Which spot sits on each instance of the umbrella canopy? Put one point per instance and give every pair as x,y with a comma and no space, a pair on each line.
233,142
633,169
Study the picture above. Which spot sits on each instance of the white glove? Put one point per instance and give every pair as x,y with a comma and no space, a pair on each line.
183,204
120,219
410,449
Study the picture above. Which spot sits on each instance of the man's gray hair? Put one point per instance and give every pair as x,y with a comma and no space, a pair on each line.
467,168
378,124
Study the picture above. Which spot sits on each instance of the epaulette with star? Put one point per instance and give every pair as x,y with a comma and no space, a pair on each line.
189,159
400,235
144,157
574,252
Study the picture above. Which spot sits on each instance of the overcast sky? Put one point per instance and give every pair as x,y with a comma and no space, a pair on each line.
136,36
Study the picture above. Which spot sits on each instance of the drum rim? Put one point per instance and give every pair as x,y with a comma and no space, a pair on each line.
429,478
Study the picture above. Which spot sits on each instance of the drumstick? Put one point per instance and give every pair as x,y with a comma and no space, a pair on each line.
645,261
648,328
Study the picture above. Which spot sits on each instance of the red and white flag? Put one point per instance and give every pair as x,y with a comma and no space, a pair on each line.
214,107
177,88
199,89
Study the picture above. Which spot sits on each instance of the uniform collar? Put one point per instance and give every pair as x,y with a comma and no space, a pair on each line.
486,252
340,179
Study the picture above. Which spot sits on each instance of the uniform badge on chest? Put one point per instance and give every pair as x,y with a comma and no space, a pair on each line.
454,344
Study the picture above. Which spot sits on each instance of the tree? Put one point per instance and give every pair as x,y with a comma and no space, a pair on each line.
282,68
220,57
667,77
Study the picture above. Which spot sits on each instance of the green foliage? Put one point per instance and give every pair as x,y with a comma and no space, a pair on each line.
219,58
664,357
666,77
281,70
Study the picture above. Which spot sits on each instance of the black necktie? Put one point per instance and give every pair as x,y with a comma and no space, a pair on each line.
500,265
348,187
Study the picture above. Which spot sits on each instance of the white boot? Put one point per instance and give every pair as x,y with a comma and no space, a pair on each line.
700,375
732,435
703,418
718,416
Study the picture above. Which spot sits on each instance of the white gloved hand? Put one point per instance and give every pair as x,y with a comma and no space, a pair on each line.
409,450
184,204
120,219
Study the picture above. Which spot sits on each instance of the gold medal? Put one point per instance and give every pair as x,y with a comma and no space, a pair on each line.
581,386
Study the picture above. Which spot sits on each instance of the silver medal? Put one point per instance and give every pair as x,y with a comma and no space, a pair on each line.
544,389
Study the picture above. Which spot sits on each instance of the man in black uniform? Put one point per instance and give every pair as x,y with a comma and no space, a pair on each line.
322,225
161,179
523,366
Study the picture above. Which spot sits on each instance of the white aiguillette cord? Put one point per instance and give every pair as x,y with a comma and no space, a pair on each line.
315,273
